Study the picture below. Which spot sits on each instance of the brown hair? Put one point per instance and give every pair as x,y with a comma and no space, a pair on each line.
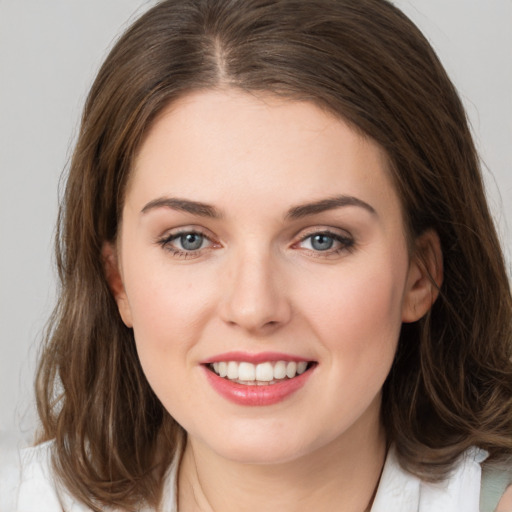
450,386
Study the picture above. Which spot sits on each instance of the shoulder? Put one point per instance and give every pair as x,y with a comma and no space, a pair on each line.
472,486
27,483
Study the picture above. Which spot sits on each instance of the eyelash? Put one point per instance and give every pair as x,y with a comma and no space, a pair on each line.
166,244
346,243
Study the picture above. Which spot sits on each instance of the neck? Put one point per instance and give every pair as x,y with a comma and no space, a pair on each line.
345,471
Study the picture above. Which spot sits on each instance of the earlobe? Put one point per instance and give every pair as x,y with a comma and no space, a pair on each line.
424,278
115,282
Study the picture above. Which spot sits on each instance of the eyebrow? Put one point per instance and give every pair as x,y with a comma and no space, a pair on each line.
297,212
304,210
184,205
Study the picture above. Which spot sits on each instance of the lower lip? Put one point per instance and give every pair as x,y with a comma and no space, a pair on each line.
269,394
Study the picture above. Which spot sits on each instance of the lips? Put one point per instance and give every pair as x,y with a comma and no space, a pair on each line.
257,380
260,374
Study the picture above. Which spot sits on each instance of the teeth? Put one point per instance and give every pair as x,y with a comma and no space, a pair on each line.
264,372
280,370
233,372
246,371
291,369
301,367
223,369
260,374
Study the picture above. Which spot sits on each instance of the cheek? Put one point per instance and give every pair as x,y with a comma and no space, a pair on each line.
357,313
358,324
169,308
168,316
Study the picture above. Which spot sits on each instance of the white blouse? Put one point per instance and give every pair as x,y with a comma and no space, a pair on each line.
27,485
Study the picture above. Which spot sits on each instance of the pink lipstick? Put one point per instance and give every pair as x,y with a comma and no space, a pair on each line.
257,379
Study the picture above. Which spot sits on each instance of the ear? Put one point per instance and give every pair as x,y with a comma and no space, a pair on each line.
115,282
424,278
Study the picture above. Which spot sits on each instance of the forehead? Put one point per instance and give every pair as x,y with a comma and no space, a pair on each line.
216,144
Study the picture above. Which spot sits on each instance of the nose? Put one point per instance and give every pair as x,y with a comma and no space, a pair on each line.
255,298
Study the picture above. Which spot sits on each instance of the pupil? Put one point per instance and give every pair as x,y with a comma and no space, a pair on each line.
191,241
322,242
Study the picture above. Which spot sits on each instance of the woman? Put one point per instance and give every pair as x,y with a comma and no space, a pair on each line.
281,285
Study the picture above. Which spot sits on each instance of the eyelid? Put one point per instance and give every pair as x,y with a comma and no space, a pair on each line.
340,236
183,230
326,230
165,241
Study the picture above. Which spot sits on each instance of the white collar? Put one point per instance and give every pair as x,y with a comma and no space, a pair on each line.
399,491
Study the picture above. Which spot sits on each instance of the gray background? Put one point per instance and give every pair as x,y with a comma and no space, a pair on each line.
49,53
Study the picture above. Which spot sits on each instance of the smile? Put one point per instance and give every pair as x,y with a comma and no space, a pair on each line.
259,379
262,374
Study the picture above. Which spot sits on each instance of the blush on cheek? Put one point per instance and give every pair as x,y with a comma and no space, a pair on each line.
367,320
374,300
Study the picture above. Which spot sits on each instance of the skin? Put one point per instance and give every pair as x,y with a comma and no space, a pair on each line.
258,284
505,504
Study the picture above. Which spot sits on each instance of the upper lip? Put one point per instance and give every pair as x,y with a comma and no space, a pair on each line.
260,357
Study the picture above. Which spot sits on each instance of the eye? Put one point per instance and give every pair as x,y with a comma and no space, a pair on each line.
321,242
186,244
326,242
190,241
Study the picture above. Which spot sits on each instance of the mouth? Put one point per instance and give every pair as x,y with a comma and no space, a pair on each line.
261,379
265,373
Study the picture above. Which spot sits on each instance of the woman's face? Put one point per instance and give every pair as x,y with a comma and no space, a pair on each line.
264,236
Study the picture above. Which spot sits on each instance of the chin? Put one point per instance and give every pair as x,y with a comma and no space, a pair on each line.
267,454
264,444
